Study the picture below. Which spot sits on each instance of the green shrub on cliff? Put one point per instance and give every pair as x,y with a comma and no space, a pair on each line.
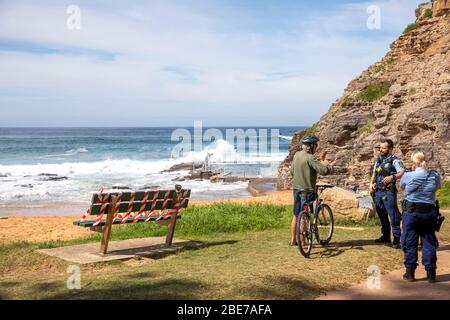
366,129
410,27
443,195
374,91
378,68
311,129
428,14
346,100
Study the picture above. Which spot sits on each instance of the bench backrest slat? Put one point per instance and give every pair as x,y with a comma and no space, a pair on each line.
136,204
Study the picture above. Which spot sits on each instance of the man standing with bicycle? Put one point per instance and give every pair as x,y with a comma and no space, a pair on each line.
304,169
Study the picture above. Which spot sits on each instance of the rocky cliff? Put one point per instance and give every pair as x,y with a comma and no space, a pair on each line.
405,97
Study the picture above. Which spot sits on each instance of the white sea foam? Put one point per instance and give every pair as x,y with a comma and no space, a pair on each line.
224,152
88,168
286,137
72,152
68,153
23,183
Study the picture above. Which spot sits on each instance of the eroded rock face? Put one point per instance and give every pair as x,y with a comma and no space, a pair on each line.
440,6
405,97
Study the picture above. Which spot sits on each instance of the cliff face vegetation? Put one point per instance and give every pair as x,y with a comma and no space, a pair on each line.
405,97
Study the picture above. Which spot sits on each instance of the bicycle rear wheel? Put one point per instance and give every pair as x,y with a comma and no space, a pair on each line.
324,224
304,234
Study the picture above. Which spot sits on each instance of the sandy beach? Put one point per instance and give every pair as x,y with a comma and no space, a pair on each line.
48,227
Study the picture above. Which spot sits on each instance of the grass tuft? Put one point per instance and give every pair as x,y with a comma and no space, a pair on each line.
312,129
229,217
410,28
443,194
13,246
364,130
374,91
428,14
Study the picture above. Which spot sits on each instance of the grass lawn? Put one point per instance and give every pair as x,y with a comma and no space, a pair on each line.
234,262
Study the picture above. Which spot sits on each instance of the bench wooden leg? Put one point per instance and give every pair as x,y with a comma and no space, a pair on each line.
108,226
171,228
106,234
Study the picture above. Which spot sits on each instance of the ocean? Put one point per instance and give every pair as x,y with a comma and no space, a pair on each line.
41,167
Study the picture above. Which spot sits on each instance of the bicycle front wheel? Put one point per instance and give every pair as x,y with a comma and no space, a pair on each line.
304,234
324,224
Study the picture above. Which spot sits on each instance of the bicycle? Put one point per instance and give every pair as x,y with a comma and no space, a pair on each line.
315,220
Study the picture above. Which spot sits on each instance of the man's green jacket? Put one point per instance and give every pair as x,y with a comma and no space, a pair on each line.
304,170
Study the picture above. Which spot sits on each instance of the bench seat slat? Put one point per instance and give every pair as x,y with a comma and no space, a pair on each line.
89,223
126,197
139,195
123,206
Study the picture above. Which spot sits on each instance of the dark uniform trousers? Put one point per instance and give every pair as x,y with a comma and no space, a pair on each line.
417,225
387,210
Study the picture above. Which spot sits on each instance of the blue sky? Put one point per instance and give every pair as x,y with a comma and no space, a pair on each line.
168,63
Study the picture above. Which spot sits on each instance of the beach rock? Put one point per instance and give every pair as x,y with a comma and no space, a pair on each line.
198,176
260,186
345,204
183,166
149,187
215,178
29,185
120,187
231,179
52,178
411,107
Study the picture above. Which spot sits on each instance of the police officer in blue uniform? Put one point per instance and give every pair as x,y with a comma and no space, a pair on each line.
387,170
419,217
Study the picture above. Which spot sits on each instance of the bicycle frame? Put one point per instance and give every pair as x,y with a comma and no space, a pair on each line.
311,211
315,204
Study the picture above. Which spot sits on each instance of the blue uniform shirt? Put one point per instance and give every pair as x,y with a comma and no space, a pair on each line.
398,165
420,185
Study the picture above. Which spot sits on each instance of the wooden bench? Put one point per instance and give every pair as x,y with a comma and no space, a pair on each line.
160,206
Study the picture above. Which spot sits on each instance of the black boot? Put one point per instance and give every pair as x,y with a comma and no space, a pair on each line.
431,275
383,239
409,275
396,243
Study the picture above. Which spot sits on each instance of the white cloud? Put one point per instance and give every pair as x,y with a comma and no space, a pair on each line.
166,51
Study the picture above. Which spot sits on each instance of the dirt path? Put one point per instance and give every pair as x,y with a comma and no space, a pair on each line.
393,287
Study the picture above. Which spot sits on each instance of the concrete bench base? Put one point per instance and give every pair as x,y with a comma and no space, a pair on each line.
119,250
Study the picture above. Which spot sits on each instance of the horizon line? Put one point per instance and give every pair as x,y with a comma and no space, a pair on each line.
144,127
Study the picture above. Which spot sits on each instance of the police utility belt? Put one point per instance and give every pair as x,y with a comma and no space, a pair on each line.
418,207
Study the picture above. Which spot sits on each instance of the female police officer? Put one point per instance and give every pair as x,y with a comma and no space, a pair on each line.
419,217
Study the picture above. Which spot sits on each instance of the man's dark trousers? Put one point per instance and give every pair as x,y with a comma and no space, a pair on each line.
387,210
